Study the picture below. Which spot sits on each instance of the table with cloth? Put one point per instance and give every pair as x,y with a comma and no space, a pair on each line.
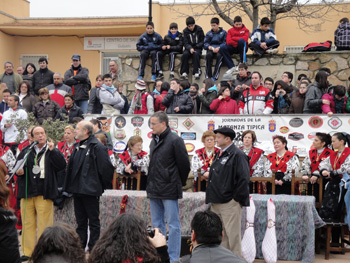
296,220
138,204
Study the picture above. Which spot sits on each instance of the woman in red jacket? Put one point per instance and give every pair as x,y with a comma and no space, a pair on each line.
224,104
158,106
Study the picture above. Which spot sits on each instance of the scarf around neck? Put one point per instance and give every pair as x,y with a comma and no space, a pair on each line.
173,36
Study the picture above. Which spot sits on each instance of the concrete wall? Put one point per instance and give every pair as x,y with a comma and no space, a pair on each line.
269,66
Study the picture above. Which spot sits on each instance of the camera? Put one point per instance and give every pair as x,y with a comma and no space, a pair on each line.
134,167
150,231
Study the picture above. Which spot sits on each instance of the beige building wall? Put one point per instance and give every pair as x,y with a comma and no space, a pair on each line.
8,51
16,8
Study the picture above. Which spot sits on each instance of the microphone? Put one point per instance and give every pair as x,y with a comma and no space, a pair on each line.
33,144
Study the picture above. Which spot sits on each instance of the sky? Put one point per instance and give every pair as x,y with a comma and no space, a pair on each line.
84,8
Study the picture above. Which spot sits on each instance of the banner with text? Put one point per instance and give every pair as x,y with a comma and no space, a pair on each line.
299,130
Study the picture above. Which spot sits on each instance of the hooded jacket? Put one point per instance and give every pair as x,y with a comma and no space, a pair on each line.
149,42
176,45
181,100
194,39
207,99
168,168
235,34
215,39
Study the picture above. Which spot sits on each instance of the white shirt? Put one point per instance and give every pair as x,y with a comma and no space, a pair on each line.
11,133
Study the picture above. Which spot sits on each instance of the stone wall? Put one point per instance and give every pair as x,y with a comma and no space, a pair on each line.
268,65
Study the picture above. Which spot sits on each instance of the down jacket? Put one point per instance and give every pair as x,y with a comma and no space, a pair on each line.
169,167
176,45
215,39
80,82
149,42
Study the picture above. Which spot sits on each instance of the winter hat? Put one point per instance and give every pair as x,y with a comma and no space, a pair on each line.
140,84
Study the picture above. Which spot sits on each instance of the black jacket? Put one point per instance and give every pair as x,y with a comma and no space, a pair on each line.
9,251
176,45
149,42
229,178
93,172
54,162
211,254
95,106
41,79
194,39
42,112
169,167
75,111
80,81
181,100
239,81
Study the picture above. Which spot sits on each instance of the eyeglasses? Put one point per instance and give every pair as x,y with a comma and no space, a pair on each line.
43,93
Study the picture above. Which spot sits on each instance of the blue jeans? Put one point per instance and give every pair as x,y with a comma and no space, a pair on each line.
83,105
171,209
227,50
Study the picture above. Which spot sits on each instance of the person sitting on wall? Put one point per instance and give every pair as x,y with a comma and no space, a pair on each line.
342,35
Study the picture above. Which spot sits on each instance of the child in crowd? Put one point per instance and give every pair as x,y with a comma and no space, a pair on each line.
224,104
172,45
264,39
268,83
300,77
193,42
212,42
236,43
110,98
334,101
148,44
281,93
298,98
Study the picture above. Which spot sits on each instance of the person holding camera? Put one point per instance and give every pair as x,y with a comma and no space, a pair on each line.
132,160
242,81
128,240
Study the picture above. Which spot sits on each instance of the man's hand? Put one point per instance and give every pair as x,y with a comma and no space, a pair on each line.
7,177
326,173
164,47
192,51
238,88
51,144
158,240
177,109
244,86
168,46
20,172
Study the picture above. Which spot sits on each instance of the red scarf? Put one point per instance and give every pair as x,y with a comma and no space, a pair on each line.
67,151
253,156
315,159
207,160
280,164
125,157
337,162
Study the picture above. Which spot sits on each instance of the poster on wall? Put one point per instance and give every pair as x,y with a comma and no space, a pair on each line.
298,130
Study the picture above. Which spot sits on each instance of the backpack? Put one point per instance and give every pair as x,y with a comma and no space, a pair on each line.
323,46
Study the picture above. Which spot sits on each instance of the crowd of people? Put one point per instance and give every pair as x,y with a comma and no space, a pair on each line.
36,174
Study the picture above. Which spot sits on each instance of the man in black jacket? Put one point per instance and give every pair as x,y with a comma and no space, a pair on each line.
89,172
168,171
77,77
193,43
176,101
43,77
206,238
37,187
228,187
